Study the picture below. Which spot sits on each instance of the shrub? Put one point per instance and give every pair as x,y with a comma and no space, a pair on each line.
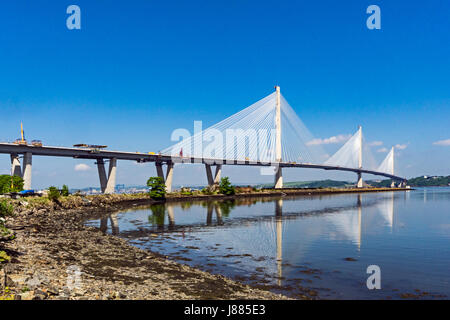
225,187
53,194
186,191
65,191
6,209
209,190
157,188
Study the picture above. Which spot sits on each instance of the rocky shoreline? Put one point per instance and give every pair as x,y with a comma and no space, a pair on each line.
54,256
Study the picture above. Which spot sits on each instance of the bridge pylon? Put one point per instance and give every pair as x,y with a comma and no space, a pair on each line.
359,183
278,173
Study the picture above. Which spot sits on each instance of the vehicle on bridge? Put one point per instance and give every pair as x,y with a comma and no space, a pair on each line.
36,143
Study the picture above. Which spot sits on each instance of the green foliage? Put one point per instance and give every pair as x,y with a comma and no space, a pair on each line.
10,184
6,294
53,194
428,181
186,192
209,190
310,184
4,257
65,191
157,188
6,209
225,187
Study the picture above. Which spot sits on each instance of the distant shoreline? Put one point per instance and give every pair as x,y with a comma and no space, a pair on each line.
280,193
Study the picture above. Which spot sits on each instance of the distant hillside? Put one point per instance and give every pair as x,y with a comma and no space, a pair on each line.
423,181
311,184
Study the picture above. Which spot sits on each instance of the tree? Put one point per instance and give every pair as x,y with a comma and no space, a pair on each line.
10,183
157,188
53,194
225,187
65,191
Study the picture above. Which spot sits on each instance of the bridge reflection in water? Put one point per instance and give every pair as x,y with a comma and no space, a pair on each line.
346,220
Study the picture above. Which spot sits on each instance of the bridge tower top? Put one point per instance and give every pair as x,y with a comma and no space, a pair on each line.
278,125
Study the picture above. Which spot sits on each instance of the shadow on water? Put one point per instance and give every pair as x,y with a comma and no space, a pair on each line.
313,246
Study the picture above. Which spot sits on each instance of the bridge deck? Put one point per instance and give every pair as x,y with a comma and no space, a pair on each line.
11,148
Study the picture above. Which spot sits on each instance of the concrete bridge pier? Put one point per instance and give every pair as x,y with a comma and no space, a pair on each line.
26,173
16,169
169,174
278,178
359,183
213,180
107,182
111,183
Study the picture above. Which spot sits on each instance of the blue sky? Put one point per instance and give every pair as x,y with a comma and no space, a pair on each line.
137,70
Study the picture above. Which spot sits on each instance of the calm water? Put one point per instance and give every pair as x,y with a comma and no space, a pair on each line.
318,246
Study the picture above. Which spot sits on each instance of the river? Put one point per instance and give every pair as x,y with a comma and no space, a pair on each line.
318,246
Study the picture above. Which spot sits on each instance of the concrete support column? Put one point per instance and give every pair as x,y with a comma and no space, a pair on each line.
26,174
169,174
218,174
159,170
209,175
111,182
169,177
102,174
107,182
16,170
359,184
278,178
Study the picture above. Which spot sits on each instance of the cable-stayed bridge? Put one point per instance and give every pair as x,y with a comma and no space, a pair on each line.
267,134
